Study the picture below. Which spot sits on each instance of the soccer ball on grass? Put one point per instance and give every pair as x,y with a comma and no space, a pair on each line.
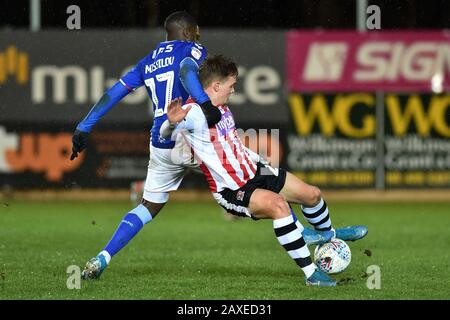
333,257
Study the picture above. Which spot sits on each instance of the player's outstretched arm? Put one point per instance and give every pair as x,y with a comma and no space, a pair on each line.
189,79
106,102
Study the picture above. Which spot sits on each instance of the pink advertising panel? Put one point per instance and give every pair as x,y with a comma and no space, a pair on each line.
353,61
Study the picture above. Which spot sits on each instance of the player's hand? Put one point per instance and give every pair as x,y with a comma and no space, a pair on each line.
212,113
79,143
175,112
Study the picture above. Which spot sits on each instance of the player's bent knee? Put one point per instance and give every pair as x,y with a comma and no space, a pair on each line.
314,196
317,195
280,207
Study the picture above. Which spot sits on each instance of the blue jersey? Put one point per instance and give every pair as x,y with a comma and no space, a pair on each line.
159,71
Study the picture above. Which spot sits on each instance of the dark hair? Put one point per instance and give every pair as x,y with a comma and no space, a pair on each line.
179,20
217,67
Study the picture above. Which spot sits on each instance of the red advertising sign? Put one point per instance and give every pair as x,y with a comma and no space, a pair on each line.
352,61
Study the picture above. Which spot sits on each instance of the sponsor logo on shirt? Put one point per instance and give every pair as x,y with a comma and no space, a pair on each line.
226,124
196,53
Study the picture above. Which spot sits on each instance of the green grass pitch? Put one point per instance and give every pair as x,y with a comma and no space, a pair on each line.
191,252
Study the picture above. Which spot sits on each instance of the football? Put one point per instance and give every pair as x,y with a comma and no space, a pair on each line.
333,257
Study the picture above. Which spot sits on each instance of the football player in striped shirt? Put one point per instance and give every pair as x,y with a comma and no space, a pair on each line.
240,183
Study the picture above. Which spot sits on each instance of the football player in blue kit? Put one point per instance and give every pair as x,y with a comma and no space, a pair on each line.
169,71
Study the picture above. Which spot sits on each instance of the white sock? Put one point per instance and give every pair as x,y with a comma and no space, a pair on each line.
289,234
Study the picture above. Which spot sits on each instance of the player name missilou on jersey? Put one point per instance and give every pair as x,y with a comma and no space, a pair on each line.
160,63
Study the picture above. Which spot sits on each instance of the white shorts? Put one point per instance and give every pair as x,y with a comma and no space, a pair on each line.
166,170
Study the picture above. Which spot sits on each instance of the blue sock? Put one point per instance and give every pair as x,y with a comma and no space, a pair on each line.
130,225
